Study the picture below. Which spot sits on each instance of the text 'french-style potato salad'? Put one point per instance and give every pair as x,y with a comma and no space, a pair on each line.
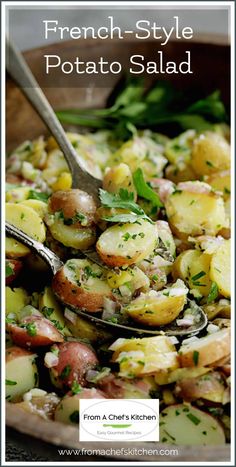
162,233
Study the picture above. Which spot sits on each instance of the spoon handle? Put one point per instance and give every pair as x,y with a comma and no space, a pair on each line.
47,255
22,75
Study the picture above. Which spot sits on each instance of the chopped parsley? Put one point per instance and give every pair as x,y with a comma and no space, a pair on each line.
47,311
76,388
193,418
9,270
74,417
8,382
65,372
31,329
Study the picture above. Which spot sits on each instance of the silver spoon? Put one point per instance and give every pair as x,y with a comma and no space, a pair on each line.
55,264
22,75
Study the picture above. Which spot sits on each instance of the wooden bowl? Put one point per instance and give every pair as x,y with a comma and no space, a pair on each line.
211,66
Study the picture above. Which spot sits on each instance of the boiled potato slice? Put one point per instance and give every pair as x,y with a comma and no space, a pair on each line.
158,308
68,409
18,194
165,235
193,267
118,177
220,268
193,209
16,299
52,310
131,279
21,373
138,357
79,238
165,377
220,181
82,284
84,329
183,424
210,154
38,206
26,219
122,245
15,249
206,350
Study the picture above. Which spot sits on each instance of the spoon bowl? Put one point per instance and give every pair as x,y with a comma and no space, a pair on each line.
173,329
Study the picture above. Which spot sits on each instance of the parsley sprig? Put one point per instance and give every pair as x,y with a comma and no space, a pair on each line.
122,200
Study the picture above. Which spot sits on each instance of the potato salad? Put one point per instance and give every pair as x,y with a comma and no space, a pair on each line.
162,236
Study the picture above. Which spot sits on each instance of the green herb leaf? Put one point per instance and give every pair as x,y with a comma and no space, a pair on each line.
122,200
76,388
9,270
213,294
195,357
198,275
144,190
74,417
33,194
31,329
65,372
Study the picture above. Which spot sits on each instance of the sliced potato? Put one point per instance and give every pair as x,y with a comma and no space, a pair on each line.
220,268
16,299
67,410
220,181
16,195
183,424
210,387
122,245
131,278
83,284
193,209
39,402
21,373
205,350
158,308
165,235
15,249
165,377
148,355
34,331
213,310
84,329
73,360
38,206
193,267
70,236
210,154
118,177
26,219
52,310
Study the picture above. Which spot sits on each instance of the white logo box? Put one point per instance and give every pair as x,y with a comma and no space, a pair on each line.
119,420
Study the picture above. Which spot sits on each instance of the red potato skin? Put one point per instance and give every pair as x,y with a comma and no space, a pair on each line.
46,333
74,295
16,352
76,356
16,267
71,202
